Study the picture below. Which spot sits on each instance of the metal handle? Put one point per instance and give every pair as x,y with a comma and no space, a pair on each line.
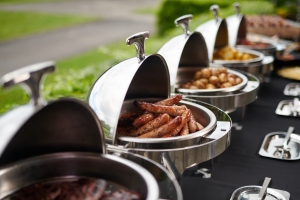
264,188
215,10
287,137
237,7
30,77
138,40
184,22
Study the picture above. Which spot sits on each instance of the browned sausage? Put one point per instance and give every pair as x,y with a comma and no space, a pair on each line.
127,131
143,119
185,117
150,107
153,124
199,126
170,101
164,129
126,119
192,124
185,130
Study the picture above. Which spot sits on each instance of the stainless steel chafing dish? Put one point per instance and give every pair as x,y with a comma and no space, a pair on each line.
216,35
237,31
56,141
147,78
187,53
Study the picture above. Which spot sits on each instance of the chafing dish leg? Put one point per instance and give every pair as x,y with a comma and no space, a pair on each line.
205,169
170,166
237,117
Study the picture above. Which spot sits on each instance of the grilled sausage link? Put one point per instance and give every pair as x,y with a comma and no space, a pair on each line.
185,130
192,124
170,101
150,107
185,117
164,129
153,124
143,119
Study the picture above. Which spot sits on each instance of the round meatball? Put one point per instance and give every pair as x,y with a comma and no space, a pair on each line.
213,80
238,80
215,72
226,85
222,78
222,70
204,80
231,80
210,86
199,84
197,75
205,73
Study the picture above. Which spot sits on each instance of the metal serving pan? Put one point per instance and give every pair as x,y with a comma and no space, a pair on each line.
147,78
216,35
187,53
45,140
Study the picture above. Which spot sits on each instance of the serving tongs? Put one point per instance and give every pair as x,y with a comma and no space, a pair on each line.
263,190
283,151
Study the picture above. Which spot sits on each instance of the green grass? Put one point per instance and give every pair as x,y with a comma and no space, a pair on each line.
25,1
75,75
17,24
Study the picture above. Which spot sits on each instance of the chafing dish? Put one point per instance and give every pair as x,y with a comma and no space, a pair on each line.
292,89
216,35
187,53
55,141
147,78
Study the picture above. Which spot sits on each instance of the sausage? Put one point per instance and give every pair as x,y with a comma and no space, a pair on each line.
143,119
185,130
164,129
199,126
127,131
150,107
192,124
153,124
170,101
185,117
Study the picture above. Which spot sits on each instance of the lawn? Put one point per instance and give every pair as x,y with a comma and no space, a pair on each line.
17,24
75,75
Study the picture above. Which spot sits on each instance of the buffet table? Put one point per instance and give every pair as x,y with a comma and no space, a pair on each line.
241,165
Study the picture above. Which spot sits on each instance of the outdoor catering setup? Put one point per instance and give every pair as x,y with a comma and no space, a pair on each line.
193,76
56,150
216,35
139,91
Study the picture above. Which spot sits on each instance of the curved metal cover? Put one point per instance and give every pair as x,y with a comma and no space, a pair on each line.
127,80
60,126
184,50
215,33
237,28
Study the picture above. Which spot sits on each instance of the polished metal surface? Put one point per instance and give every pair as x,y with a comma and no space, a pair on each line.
283,151
66,165
169,187
179,153
289,108
274,140
138,40
215,33
129,79
251,192
263,190
183,21
186,74
188,49
228,102
292,89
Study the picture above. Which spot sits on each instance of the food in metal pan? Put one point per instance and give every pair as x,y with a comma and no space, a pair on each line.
212,78
228,53
83,188
158,120
253,44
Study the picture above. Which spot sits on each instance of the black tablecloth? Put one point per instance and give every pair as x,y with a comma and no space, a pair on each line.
240,164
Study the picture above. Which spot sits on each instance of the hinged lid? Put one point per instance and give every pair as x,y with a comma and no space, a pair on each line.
188,49
42,127
141,77
214,31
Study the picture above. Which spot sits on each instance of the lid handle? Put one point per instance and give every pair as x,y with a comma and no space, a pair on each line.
138,40
30,77
215,10
237,7
184,22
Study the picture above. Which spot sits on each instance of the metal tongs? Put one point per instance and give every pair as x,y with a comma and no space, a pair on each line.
263,190
283,151
294,107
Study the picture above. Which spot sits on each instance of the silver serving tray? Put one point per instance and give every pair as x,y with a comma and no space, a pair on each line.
275,139
284,108
292,89
251,193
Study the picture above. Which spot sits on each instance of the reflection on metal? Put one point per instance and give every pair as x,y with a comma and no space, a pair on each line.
206,172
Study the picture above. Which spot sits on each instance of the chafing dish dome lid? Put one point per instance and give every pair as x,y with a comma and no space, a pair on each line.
215,32
188,49
141,77
42,127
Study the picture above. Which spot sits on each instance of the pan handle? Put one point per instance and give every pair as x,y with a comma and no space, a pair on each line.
30,77
183,21
215,10
237,7
138,40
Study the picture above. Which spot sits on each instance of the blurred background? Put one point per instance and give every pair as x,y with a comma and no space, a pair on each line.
86,37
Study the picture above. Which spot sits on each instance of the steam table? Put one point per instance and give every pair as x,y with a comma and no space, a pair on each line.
241,165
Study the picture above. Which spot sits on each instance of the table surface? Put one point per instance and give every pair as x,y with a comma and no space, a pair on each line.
240,164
